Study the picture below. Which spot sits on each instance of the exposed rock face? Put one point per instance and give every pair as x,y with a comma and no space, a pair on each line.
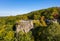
24,26
27,25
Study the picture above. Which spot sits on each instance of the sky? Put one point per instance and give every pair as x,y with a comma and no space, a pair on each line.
18,7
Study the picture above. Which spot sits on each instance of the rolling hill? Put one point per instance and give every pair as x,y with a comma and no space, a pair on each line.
41,32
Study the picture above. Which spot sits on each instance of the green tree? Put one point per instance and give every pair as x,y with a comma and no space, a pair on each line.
53,32
25,36
2,34
9,36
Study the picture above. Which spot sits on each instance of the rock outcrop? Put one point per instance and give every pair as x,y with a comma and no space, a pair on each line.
24,26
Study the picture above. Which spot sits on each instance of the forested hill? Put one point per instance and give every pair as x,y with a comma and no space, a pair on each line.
32,15
48,13
44,29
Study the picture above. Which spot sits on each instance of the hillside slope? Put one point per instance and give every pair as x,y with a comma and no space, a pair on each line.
45,27
32,15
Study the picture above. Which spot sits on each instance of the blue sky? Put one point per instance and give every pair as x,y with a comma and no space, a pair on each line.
15,7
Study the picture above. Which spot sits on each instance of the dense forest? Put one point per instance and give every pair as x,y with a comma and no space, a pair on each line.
46,29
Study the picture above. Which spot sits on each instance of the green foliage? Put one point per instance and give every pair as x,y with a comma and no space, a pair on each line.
36,17
9,36
2,34
24,36
41,31
52,32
